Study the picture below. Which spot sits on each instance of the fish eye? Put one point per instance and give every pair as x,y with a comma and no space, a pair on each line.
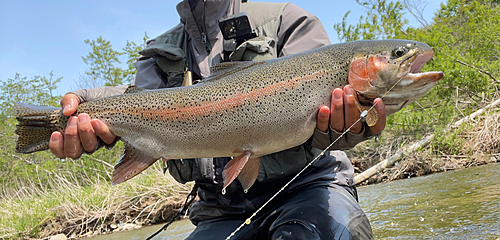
399,52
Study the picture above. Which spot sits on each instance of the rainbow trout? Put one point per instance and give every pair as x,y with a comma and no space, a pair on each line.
245,109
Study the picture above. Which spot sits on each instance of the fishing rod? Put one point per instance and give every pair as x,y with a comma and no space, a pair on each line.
192,194
362,118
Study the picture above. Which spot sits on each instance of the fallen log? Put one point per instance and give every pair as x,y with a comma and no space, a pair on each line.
408,150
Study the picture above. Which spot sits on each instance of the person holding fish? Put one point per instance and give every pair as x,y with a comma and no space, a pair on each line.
322,202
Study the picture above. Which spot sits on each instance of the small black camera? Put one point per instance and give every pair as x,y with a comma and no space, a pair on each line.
236,27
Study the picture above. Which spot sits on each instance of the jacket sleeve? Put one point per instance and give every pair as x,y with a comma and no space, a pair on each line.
301,31
148,75
91,94
322,140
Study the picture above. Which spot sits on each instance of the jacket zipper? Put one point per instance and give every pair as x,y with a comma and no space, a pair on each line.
202,29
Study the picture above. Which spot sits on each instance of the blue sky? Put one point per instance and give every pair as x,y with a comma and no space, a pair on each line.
37,37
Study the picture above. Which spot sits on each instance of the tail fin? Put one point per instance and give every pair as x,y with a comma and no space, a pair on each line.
36,124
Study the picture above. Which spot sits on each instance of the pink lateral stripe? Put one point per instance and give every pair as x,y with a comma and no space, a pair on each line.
206,108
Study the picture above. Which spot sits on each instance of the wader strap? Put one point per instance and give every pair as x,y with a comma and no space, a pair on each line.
189,200
228,46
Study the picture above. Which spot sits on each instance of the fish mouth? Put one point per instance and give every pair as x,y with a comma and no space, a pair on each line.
420,61
412,84
414,75
398,82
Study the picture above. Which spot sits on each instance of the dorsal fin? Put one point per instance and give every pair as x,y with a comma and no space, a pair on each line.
134,89
227,68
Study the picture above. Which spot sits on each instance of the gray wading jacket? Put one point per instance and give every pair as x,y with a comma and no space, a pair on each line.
196,44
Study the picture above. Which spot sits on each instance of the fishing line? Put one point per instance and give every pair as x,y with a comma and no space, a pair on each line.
361,118
191,197
189,200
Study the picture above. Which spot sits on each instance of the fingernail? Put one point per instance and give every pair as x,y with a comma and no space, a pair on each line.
56,137
337,95
324,111
66,108
378,104
348,91
82,118
96,124
72,121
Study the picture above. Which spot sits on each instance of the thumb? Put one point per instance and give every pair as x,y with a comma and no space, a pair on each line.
69,104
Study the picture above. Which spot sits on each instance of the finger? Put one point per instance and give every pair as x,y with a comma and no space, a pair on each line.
86,133
69,104
351,110
323,119
103,131
56,145
72,146
337,113
382,115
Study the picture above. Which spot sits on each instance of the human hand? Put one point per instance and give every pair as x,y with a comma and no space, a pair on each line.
80,133
344,113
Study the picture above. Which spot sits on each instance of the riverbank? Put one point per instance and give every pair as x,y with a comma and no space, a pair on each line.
458,204
473,144
152,198
80,210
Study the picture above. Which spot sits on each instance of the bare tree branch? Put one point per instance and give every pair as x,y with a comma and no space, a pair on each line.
86,81
416,8
410,149
479,70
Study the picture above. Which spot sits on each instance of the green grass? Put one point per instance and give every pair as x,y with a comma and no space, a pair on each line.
76,196
41,195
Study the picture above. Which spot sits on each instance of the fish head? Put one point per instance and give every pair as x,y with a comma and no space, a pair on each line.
390,69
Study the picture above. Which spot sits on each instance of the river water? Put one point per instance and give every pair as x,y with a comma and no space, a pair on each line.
462,204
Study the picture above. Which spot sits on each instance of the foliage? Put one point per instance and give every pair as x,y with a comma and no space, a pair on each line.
34,185
16,170
464,36
28,181
131,50
384,19
463,33
104,63
80,204
38,90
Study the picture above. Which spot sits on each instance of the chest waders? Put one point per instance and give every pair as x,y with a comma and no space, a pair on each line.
174,58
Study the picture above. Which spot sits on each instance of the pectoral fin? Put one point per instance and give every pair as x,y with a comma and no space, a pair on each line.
131,163
372,117
249,173
244,168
